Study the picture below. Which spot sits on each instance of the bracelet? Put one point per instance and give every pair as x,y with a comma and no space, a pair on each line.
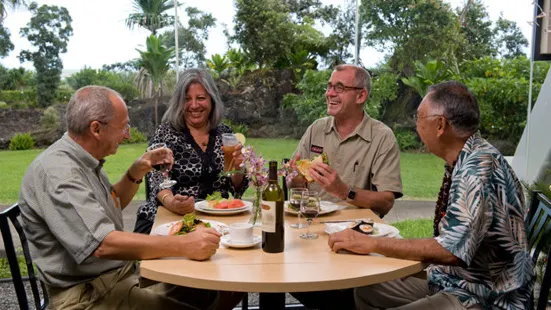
135,181
163,198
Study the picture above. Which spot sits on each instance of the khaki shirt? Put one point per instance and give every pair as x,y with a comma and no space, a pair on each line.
68,207
368,158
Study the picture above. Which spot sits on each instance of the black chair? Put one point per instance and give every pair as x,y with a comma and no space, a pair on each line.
13,213
539,239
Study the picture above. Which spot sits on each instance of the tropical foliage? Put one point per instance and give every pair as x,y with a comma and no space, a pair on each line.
151,14
155,64
122,82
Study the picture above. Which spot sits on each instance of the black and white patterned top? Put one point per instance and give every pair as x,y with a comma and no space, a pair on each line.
196,171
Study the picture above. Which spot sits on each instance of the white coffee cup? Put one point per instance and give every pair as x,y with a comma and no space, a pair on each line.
241,232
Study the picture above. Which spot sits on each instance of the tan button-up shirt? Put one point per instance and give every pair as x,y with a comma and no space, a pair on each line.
68,207
368,158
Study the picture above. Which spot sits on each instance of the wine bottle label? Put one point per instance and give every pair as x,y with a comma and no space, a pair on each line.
268,216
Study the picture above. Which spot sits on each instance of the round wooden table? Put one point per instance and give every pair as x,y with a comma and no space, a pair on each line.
305,265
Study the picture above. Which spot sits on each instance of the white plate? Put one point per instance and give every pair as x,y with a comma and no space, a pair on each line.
163,229
203,206
381,230
325,208
226,241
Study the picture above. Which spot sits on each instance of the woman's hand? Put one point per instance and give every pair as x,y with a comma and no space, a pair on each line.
180,204
238,157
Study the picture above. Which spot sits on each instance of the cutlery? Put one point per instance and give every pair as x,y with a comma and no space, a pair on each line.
337,221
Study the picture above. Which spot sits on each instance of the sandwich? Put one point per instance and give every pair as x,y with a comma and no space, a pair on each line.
304,165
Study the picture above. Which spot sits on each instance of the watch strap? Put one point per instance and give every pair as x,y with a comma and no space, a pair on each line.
135,181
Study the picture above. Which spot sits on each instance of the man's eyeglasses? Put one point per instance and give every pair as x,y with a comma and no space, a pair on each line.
125,130
339,88
417,117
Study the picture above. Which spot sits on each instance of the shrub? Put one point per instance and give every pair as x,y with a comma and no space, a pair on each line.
50,119
21,141
27,97
3,105
136,136
407,139
236,127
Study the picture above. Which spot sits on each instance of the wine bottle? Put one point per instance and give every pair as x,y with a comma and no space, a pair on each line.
272,213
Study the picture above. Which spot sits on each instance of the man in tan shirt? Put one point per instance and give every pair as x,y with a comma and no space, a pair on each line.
364,158
364,161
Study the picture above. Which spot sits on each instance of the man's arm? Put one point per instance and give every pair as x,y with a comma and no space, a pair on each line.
328,178
426,250
126,188
199,245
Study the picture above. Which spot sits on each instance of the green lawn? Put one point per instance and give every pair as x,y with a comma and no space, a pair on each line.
421,173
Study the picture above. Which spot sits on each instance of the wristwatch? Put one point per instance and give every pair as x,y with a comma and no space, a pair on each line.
351,193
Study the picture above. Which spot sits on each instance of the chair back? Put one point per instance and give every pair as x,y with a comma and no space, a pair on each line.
13,214
539,239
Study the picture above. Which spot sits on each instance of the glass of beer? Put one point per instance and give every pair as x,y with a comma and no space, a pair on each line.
230,142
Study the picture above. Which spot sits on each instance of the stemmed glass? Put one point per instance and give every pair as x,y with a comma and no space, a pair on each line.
295,199
162,168
309,208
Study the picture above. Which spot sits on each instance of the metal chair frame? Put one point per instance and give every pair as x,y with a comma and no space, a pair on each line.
13,213
539,239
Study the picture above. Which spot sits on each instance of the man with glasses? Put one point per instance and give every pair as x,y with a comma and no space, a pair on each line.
364,160
478,256
73,217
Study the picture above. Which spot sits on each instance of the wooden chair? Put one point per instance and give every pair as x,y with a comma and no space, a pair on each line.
539,239
13,213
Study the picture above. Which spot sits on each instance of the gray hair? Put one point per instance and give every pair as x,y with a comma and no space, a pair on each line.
89,103
361,76
174,115
457,104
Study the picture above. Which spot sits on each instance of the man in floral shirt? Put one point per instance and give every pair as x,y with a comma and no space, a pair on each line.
478,257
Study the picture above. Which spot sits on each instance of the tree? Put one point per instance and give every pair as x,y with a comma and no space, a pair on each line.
155,61
272,31
191,39
476,26
151,14
6,46
48,30
411,30
509,39
9,4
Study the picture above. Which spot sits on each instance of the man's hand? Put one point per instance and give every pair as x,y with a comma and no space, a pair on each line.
299,180
202,243
145,163
180,204
329,180
352,241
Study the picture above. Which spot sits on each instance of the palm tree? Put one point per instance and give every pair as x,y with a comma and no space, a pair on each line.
9,4
155,62
151,14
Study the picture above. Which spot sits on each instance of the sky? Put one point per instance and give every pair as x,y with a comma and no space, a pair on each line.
100,35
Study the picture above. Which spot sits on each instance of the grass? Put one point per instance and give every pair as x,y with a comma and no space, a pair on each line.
421,173
420,228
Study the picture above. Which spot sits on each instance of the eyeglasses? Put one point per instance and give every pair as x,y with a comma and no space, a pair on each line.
125,130
416,117
339,88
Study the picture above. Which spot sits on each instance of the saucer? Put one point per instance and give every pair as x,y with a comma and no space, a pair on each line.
226,241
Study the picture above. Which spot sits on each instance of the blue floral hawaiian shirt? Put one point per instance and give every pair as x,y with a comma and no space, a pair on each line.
484,227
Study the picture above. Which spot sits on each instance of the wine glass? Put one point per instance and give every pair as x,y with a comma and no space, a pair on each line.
162,168
295,198
309,208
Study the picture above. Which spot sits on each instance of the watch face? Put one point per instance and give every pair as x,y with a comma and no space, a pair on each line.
351,194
